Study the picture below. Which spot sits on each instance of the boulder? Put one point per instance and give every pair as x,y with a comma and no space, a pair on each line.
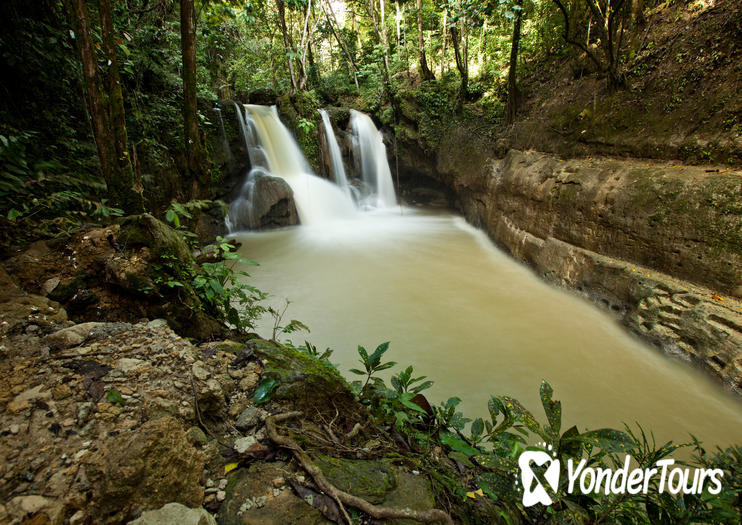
173,513
144,469
265,201
80,333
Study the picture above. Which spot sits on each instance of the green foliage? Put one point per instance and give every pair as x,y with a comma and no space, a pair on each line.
264,391
220,288
373,365
42,197
487,456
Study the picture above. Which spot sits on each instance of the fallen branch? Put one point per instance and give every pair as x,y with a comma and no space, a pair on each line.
341,497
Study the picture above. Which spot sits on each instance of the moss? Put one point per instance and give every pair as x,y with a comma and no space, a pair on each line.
371,480
310,384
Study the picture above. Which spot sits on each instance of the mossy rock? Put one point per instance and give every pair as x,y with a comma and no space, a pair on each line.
145,230
309,384
371,480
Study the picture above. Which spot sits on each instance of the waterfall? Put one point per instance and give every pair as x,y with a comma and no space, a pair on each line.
377,178
274,151
336,160
223,134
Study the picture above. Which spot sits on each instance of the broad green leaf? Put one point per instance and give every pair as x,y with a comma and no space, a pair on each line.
552,408
519,413
458,444
477,428
264,391
608,439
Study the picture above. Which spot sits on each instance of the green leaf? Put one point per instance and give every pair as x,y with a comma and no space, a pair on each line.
356,371
114,396
519,413
552,408
405,400
458,444
264,391
608,439
385,366
364,355
477,428
375,358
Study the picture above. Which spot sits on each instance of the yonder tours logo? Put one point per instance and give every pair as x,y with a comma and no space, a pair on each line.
539,471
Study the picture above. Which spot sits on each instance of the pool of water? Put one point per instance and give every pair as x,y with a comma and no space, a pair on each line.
477,323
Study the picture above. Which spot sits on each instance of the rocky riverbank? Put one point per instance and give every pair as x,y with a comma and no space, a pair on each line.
110,421
656,244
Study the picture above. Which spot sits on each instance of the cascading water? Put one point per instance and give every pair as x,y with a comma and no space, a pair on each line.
223,134
336,160
377,178
273,151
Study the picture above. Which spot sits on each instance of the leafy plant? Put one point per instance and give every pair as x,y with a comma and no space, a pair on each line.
372,365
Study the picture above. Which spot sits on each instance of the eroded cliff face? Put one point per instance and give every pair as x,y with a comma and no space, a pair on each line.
658,245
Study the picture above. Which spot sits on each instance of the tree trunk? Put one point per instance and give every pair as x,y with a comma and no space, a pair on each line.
194,151
424,69
286,43
381,35
444,37
512,106
120,191
343,44
130,187
460,64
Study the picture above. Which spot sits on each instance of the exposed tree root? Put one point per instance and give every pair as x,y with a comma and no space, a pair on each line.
343,498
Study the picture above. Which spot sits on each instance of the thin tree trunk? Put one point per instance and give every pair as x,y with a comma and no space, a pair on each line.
304,40
444,37
286,43
128,182
343,44
194,151
425,72
381,35
512,106
460,64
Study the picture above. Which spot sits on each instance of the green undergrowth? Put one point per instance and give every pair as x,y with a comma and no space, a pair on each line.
473,465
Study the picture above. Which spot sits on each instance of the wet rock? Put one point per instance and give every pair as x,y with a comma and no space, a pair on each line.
266,202
175,513
144,469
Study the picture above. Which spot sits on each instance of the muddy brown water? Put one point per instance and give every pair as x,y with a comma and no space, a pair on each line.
477,323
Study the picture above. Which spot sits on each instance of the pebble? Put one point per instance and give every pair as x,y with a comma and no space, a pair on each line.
221,495
242,444
223,484
15,428
278,482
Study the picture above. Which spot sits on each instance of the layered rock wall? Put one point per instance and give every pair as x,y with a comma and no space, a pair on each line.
658,245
